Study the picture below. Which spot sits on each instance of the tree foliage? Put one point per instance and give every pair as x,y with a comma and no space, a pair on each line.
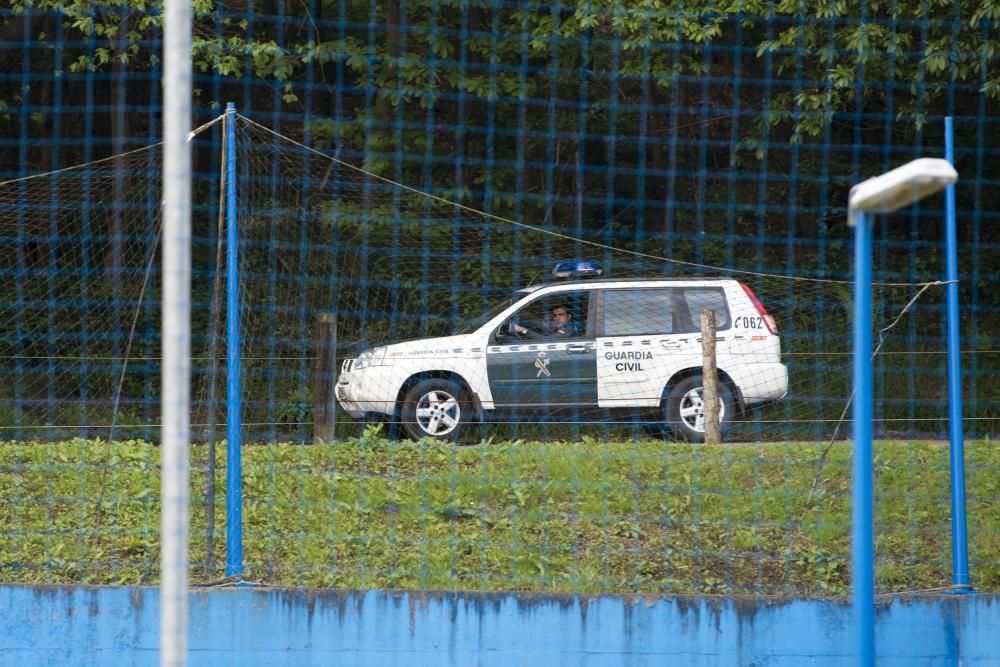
532,102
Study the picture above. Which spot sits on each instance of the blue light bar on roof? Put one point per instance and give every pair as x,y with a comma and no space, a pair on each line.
577,268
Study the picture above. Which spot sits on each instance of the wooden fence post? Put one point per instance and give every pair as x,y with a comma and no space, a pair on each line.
710,378
324,399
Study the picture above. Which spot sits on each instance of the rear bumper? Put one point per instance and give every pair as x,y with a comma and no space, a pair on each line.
760,383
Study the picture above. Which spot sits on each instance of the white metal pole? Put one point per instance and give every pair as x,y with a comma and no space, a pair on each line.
176,331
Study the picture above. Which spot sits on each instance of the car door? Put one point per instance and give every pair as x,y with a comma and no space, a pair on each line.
545,372
646,335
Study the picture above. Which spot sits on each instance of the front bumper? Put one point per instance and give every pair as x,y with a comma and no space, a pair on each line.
371,390
345,397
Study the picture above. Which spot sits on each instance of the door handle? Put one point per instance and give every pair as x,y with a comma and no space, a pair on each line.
579,348
670,345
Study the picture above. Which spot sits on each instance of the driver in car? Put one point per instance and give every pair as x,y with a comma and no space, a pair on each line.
558,324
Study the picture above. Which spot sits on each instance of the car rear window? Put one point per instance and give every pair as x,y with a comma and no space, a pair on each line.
634,312
691,301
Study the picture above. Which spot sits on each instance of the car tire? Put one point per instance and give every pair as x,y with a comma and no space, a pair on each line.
685,412
436,408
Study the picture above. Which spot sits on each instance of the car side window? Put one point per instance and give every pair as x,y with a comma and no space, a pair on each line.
690,301
634,312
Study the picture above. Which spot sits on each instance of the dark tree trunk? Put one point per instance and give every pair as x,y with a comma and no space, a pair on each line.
119,143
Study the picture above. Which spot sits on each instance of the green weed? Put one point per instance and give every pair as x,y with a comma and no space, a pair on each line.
589,516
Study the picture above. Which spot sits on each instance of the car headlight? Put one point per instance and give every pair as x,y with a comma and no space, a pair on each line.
372,357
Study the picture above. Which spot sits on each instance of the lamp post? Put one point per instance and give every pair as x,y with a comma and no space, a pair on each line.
882,194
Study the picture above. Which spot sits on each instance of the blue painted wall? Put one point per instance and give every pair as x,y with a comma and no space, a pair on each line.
254,626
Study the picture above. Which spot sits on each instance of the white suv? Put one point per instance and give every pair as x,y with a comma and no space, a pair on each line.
587,349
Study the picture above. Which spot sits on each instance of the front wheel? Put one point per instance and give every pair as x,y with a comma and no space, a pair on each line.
436,408
685,408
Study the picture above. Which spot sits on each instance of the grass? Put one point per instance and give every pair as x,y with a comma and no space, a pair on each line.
624,517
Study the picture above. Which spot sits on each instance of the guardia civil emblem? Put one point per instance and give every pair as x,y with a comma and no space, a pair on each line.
542,364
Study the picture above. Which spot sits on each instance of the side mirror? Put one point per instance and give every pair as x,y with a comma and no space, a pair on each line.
505,332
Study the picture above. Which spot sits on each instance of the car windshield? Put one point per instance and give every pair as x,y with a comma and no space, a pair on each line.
476,322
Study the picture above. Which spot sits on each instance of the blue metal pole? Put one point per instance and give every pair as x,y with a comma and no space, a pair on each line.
234,467
959,538
863,552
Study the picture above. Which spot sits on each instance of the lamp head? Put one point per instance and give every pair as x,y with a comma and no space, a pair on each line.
901,187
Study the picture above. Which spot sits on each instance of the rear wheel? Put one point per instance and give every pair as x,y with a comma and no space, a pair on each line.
436,408
684,406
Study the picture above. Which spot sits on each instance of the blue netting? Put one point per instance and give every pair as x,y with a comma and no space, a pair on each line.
683,141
